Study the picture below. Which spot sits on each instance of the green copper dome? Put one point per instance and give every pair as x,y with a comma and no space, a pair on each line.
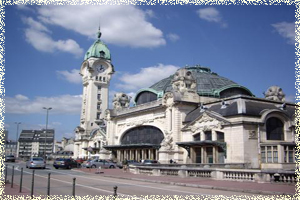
98,50
208,84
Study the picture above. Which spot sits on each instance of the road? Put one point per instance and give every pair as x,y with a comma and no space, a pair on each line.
89,184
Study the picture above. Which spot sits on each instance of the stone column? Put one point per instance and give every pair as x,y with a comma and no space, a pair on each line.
143,155
202,136
280,150
213,135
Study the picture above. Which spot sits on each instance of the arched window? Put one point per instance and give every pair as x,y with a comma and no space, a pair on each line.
274,129
143,135
145,97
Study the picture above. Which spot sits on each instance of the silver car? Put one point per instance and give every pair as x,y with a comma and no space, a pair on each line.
96,163
36,162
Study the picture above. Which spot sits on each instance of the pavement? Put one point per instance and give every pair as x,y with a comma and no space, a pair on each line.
15,190
206,183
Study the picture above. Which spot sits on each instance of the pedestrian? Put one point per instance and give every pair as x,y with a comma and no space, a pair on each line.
125,162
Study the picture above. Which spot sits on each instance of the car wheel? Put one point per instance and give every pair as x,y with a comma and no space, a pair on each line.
56,167
111,166
26,166
44,167
93,166
69,167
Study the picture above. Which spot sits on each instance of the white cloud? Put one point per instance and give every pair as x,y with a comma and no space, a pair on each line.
286,30
21,97
120,25
211,15
173,37
72,77
64,104
150,13
24,7
146,77
38,36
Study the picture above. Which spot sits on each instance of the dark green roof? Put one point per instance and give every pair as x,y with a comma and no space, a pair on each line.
208,83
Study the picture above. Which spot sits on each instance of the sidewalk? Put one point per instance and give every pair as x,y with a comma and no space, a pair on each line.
15,190
249,187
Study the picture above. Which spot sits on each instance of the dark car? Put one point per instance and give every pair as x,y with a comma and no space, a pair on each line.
150,162
129,162
66,163
10,158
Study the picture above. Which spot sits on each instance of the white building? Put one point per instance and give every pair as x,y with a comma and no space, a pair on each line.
36,143
193,116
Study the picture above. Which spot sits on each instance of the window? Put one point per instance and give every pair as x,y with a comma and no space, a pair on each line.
269,154
143,134
98,115
274,129
207,135
289,154
99,87
220,136
96,78
197,137
99,96
102,54
98,106
145,97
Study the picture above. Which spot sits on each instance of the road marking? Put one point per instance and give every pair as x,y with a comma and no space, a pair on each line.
81,185
136,185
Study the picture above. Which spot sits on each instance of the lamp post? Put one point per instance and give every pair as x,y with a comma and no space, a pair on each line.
18,123
46,130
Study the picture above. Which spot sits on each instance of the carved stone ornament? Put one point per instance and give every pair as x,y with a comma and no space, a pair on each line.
206,123
167,142
184,81
121,100
168,99
275,93
252,134
140,122
107,115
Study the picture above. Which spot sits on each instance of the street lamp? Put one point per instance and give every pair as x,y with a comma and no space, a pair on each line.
46,130
18,123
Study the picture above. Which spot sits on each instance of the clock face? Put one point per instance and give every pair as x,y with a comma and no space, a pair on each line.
100,68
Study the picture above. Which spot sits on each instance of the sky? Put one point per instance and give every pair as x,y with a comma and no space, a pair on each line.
253,46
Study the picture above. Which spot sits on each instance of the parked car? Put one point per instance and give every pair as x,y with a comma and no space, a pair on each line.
130,162
80,160
10,158
150,162
100,163
66,163
36,162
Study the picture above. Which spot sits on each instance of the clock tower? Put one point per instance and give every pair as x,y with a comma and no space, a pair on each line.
96,71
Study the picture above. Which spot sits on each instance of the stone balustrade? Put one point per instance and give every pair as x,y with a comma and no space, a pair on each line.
250,175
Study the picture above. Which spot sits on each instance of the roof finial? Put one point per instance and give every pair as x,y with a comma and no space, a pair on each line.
99,32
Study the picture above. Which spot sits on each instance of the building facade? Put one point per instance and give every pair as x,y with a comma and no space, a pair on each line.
193,116
34,143
10,148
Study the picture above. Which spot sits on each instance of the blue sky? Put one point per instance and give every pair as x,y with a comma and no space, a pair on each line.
45,46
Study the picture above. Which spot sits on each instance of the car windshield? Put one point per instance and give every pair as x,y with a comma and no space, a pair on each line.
37,159
10,156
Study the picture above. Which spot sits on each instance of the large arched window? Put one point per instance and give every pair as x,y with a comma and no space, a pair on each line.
274,129
143,135
145,97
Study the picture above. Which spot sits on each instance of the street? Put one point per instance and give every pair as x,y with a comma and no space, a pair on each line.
92,184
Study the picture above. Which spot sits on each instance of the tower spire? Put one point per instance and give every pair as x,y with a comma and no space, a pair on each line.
99,32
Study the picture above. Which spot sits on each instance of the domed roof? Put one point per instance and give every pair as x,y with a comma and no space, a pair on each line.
208,83
98,50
